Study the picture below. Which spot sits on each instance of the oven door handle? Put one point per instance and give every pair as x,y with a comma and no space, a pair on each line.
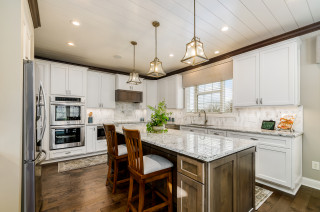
67,127
67,103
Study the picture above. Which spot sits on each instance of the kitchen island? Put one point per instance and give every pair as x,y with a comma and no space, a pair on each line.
210,173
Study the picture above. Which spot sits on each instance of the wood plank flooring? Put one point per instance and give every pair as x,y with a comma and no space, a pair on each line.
85,190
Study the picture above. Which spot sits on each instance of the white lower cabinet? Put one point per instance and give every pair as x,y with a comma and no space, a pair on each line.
67,152
92,143
278,160
101,145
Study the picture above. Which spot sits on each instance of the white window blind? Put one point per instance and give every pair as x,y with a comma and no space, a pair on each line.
212,97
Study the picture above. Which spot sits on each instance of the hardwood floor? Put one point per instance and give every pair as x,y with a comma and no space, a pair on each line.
85,190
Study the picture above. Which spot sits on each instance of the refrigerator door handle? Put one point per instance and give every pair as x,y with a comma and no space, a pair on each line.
42,95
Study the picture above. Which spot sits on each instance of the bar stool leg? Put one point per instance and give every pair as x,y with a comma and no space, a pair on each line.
130,192
115,176
141,196
109,171
169,192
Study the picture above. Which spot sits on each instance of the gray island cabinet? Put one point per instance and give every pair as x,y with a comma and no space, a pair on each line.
210,173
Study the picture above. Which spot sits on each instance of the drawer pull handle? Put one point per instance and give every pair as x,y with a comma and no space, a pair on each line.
67,153
191,130
216,133
254,139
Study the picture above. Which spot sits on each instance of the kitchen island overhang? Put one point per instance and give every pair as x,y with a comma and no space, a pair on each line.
210,173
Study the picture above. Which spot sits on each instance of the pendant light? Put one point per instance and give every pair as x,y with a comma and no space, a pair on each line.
134,77
194,50
156,65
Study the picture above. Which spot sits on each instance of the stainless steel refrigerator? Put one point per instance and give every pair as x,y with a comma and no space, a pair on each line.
34,124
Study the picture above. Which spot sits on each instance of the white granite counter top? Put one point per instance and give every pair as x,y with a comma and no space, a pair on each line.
203,147
249,130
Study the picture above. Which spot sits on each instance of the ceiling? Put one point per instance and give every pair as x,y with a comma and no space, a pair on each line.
108,26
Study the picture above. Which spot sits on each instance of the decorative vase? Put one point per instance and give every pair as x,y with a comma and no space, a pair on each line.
158,128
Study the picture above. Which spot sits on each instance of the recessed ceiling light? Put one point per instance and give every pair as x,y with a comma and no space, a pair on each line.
70,44
216,52
171,55
225,28
117,56
76,23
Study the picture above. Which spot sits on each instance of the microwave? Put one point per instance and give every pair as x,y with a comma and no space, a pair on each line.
67,110
66,136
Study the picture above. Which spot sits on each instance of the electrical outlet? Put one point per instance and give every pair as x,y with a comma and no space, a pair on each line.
315,165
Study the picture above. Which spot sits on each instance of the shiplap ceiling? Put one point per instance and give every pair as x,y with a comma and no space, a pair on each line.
108,26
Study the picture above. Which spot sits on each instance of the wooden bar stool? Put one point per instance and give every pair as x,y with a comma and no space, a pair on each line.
146,169
116,154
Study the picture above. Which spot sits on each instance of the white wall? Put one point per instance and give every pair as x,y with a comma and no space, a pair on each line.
310,99
11,78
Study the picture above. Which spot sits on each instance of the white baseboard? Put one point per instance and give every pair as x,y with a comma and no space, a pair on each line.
311,183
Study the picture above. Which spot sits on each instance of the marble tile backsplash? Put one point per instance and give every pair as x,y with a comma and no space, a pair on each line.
251,117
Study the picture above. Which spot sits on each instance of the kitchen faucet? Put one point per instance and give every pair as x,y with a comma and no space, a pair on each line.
205,116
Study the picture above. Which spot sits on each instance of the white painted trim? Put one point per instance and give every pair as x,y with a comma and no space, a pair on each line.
55,160
311,183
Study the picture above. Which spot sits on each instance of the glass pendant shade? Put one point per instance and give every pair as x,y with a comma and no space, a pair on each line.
194,53
134,77
156,69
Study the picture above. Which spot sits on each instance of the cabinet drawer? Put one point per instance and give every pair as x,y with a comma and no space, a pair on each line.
190,194
101,145
217,132
191,168
276,141
67,152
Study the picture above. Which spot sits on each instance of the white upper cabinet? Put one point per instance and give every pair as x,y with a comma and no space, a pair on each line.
100,90
77,80
68,80
170,89
245,80
121,83
108,91
277,71
93,89
268,76
59,78
151,92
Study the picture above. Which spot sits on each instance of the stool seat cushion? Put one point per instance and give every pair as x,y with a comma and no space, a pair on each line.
122,149
153,163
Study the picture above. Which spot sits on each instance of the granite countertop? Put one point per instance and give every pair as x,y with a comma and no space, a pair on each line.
200,146
248,130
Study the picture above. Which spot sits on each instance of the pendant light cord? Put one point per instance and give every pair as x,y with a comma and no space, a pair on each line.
194,18
156,41
134,58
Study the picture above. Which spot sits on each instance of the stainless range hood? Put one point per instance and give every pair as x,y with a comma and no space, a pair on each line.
129,96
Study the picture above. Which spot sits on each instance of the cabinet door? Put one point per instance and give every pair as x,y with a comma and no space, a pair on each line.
162,90
59,79
91,137
246,180
76,81
107,93
42,74
277,75
274,164
246,80
121,82
93,89
190,194
223,184
152,92
101,145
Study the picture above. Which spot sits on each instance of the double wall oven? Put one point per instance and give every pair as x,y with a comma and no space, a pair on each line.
67,122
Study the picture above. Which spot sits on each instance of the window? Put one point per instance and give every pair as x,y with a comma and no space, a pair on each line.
213,97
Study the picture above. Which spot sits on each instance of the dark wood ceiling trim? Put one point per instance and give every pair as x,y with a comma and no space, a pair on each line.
34,9
92,67
294,33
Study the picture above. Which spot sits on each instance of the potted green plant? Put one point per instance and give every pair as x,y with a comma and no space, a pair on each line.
159,118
